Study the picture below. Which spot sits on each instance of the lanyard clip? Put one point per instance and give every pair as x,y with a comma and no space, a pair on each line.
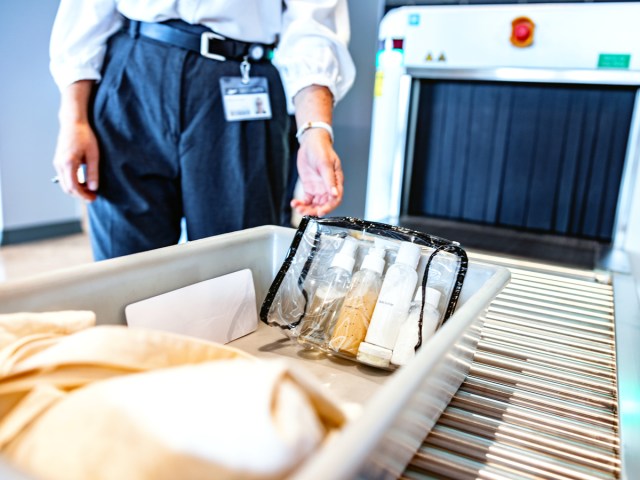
245,67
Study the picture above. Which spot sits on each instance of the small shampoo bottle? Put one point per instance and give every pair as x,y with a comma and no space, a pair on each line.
391,308
405,347
355,315
328,297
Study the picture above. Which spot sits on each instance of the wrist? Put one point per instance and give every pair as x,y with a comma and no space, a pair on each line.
71,112
74,102
306,126
72,118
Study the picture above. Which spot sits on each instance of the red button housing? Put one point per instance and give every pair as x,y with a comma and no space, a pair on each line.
522,32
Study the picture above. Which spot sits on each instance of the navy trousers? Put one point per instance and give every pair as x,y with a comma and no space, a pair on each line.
167,152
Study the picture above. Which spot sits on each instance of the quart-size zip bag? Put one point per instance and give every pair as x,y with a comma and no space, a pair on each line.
359,290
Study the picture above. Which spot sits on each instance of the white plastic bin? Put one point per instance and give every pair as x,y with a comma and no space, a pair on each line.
396,410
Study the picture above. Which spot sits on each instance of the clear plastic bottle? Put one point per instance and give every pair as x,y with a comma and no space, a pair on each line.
328,297
355,315
405,347
391,308
289,304
295,292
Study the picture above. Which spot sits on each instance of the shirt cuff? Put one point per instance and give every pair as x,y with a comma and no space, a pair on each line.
65,75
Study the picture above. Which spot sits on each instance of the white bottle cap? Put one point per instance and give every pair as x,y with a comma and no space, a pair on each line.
345,258
374,355
418,296
384,243
433,297
374,260
408,254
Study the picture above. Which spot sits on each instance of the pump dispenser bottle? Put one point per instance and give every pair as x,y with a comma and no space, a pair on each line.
355,315
405,347
328,297
391,308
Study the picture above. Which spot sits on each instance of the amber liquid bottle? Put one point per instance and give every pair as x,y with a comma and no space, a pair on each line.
355,315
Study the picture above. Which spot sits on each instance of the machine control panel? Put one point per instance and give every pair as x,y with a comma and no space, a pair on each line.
518,36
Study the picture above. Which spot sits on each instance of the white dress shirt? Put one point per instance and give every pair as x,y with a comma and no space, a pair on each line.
312,48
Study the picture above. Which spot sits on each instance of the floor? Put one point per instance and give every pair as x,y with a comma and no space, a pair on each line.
27,259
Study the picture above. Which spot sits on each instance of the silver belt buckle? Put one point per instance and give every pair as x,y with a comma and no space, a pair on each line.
204,45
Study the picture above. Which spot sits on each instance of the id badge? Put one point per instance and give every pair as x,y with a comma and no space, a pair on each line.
245,101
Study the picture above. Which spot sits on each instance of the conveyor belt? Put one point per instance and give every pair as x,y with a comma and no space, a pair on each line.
540,399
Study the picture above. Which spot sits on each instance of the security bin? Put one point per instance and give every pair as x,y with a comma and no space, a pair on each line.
393,411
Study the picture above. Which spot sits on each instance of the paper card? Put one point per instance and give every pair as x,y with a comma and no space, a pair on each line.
220,310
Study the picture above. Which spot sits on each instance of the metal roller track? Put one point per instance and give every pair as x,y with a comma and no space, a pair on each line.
540,400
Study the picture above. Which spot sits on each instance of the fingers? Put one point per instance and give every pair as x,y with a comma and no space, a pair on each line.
303,209
71,184
91,174
339,175
332,177
66,168
77,147
316,205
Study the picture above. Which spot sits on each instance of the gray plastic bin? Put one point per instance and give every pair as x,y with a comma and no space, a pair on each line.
394,410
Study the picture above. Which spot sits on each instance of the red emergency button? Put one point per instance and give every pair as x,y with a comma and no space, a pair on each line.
522,32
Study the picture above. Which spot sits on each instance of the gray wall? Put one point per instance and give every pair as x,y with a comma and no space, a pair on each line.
28,120
352,119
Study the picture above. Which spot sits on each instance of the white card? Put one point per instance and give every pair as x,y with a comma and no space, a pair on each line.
220,310
245,101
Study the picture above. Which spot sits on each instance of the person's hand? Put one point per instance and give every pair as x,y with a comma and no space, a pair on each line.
320,173
77,145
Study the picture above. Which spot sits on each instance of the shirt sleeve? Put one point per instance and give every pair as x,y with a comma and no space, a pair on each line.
313,47
79,39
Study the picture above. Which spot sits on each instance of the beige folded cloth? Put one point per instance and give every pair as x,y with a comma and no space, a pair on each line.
18,325
36,328
72,361
110,403
226,419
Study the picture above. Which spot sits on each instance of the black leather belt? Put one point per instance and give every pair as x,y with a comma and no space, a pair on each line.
207,43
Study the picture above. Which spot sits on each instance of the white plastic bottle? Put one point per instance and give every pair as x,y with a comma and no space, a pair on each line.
405,347
355,315
327,299
391,308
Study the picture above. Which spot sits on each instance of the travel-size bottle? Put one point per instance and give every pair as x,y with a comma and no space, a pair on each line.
328,296
405,347
391,307
357,309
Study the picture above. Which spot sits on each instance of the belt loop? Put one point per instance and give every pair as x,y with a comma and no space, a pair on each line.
134,28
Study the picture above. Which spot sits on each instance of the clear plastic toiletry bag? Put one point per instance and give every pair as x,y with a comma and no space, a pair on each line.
366,291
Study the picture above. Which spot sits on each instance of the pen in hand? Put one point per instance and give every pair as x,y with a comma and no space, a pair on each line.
82,175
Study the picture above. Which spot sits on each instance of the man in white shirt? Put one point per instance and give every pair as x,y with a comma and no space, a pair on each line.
159,102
